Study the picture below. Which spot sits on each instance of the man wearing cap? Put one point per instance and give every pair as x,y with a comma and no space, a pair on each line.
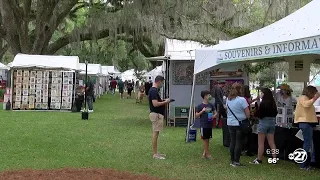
157,109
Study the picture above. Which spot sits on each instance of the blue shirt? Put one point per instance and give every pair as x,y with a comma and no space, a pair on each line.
204,123
237,105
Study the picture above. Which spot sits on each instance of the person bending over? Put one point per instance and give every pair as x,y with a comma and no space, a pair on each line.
206,112
157,109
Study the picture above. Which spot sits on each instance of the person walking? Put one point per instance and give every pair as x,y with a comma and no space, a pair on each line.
136,90
90,94
305,115
129,89
114,86
157,110
121,88
218,95
237,116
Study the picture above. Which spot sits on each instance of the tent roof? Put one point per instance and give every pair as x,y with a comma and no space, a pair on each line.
92,69
181,50
44,61
295,34
2,67
111,69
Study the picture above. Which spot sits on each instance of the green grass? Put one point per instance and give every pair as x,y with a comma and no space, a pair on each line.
118,136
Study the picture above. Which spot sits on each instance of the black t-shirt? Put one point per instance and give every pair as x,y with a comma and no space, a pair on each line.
90,88
204,123
130,86
154,95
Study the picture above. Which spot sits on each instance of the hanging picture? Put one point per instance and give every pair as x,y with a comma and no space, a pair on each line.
52,105
182,74
38,92
32,79
19,72
38,86
32,91
17,105
18,98
54,74
69,106
25,98
46,81
59,80
25,92
25,86
65,93
26,73
65,81
45,92
31,99
64,105
59,87
38,105
24,105
44,106
31,105
18,86
19,79
57,106
65,87
45,99
59,74
46,74
39,74
45,86
39,80
69,93
53,93
33,73
18,91
32,86
38,99
26,80
70,87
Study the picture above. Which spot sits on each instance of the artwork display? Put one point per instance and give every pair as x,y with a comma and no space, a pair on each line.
182,74
42,89
226,85
226,73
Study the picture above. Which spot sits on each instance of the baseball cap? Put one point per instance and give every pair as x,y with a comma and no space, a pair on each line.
159,78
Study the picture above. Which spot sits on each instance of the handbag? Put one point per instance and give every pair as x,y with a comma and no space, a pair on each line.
244,124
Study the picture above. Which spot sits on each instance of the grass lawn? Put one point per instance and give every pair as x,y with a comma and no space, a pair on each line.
118,136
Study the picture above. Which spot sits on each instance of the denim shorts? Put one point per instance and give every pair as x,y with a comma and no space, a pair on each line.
267,125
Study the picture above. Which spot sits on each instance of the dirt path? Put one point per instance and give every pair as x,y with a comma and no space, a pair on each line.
72,174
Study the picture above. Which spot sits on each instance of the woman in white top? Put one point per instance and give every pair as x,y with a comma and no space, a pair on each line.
284,98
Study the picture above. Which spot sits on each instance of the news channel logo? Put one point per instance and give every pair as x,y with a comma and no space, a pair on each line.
299,156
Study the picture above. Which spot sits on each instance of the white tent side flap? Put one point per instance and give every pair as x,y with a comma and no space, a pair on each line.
298,33
44,61
205,59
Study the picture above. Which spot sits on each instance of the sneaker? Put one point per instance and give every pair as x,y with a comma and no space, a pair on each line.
307,168
157,156
90,111
256,161
236,164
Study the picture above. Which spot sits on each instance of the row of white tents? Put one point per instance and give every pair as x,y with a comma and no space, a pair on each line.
131,74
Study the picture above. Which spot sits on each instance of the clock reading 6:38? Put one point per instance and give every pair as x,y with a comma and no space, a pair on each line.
272,151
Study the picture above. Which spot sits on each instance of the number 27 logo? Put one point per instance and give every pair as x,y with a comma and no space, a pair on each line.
299,156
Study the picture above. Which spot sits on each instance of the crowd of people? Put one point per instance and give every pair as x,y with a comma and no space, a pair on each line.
240,117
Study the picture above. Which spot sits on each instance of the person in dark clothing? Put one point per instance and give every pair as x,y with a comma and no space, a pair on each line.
218,95
147,86
90,94
129,89
157,110
247,134
266,113
206,112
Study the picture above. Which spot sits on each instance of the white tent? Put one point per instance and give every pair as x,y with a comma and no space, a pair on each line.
154,72
296,34
44,61
128,75
3,67
92,69
104,70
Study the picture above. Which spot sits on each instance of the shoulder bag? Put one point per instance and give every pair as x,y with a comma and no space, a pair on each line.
244,124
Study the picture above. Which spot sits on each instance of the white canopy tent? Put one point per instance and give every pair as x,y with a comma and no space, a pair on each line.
92,69
44,61
128,75
154,72
296,34
113,71
3,67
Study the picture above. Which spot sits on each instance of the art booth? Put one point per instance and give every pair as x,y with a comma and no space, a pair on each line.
43,82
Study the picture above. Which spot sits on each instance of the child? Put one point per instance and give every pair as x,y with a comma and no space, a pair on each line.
206,112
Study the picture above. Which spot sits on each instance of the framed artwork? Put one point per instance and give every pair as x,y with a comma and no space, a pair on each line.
38,99
45,92
182,74
226,73
57,106
33,73
69,93
26,80
32,86
32,91
19,72
44,106
65,93
46,81
18,91
19,79
52,105
25,86
45,86
31,105
18,86
25,92
38,92
17,105
226,87
70,87
53,93
18,98
46,74
59,74
38,105
25,73
32,79
39,80
65,87
39,74
54,80
31,99
38,86
25,98
45,99
65,81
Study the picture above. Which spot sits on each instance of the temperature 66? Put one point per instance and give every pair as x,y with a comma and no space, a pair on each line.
273,160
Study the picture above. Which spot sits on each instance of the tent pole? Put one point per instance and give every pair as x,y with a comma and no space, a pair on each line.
191,107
